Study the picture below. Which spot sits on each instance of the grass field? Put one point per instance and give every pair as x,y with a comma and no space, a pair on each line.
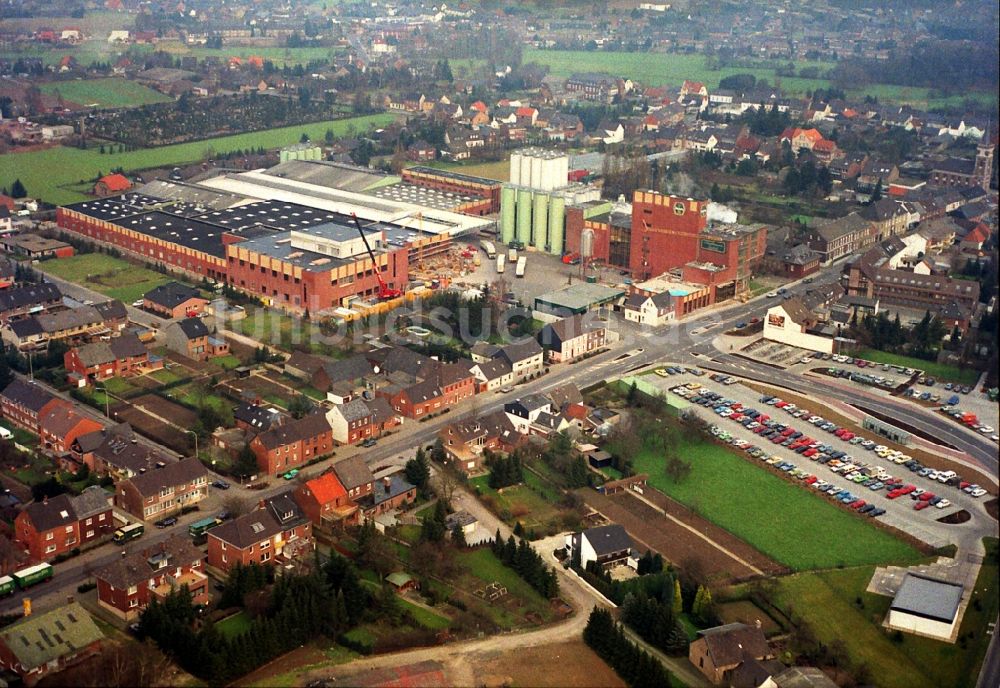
942,372
827,601
522,503
111,276
234,625
113,92
424,617
56,174
784,521
659,69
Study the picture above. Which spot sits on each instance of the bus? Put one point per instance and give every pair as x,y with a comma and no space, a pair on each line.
32,575
7,586
129,532
199,528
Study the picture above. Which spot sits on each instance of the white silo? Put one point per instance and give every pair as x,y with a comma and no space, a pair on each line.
545,182
586,245
561,171
536,172
525,169
515,167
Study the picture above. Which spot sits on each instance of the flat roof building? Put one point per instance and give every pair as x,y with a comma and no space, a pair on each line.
926,606
577,298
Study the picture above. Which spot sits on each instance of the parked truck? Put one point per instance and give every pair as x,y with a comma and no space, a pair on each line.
501,260
489,249
521,264
511,255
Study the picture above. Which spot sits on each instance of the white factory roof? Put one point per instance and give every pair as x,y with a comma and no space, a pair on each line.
258,184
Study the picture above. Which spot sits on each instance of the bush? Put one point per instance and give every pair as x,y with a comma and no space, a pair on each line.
362,646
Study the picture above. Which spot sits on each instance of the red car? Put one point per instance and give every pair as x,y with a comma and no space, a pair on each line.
926,497
781,404
787,431
811,479
893,494
857,504
847,436
737,406
763,418
809,452
920,506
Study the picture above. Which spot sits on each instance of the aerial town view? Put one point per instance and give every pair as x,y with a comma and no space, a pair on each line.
497,344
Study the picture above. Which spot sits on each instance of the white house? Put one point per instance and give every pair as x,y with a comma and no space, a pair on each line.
650,310
524,412
609,546
793,324
118,36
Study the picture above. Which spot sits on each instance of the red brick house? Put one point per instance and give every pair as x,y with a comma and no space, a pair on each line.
56,526
127,585
456,383
60,425
356,477
276,532
190,337
24,403
389,493
418,400
292,444
465,441
163,491
43,644
112,184
121,357
174,300
324,501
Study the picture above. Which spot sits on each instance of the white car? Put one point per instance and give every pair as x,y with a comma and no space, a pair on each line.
137,303
772,294
943,504
987,430
806,359
978,492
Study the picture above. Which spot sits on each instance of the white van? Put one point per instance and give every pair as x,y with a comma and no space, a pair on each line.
5,434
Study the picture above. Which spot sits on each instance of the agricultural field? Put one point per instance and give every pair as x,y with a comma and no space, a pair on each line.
829,602
667,69
60,175
789,524
111,276
941,371
112,92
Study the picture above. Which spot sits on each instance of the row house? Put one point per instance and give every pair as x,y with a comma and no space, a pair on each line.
570,338
43,644
24,403
292,444
115,451
123,356
56,526
174,300
18,302
276,532
60,425
525,358
163,491
127,585
325,502
840,237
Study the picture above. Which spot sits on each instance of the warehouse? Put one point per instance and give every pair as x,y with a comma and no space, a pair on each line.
577,299
926,606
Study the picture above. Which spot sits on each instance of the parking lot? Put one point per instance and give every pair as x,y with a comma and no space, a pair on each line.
776,353
843,474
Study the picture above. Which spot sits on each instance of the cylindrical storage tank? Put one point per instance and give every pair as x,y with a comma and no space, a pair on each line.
586,244
562,170
557,225
515,168
283,156
536,173
540,221
524,216
525,170
508,203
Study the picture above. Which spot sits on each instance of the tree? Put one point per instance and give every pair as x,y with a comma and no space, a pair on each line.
246,462
236,505
458,536
418,471
677,600
375,551
299,406
17,189
434,526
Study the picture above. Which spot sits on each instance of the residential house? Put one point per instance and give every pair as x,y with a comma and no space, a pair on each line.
654,311
719,651
111,185
123,356
60,425
352,422
356,477
292,444
799,261
163,491
325,502
388,494
127,585
525,357
30,298
465,441
523,412
174,300
888,217
570,338
256,418
274,533
115,451
606,546
492,374
841,237
46,643
24,403
56,526
190,337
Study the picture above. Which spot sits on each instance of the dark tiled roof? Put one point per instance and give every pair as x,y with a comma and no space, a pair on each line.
137,567
353,472
193,328
176,473
52,513
27,394
729,644
307,427
34,294
608,539
171,294
260,524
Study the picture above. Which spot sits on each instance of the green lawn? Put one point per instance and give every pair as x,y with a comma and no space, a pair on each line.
234,625
787,522
110,92
827,601
521,503
111,276
424,617
659,69
278,330
165,376
227,362
483,566
941,371
55,174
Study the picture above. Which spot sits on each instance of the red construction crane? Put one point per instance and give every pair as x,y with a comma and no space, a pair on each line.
384,290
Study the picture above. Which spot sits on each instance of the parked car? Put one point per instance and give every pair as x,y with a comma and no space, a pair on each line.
166,522
220,485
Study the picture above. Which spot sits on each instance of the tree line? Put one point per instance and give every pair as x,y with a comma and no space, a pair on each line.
527,563
636,666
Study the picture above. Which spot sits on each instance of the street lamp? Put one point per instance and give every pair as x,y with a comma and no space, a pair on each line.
195,442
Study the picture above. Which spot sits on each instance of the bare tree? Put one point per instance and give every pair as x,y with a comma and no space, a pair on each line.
237,505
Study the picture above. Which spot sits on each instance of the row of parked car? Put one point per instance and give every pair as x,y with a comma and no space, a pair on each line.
863,378
969,420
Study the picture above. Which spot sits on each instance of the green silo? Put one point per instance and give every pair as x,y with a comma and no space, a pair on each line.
524,216
557,225
540,217
508,201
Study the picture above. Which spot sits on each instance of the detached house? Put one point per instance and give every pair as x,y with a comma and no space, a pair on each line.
718,652
56,526
572,337
607,546
190,337
292,444
325,502
174,300
126,586
465,441
274,533
523,358
654,311
163,491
